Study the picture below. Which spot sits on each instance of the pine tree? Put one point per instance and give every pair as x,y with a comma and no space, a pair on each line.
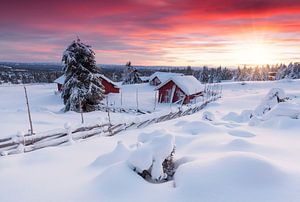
256,76
126,71
133,75
82,87
204,75
282,71
218,75
188,70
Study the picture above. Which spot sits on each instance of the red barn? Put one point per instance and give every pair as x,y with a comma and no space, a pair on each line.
109,85
179,89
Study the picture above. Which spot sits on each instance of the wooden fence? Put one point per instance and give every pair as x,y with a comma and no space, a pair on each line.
27,143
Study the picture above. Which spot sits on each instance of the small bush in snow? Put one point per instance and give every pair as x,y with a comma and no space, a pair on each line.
169,166
275,96
153,160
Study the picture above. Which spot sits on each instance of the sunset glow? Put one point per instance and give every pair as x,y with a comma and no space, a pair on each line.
164,32
255,52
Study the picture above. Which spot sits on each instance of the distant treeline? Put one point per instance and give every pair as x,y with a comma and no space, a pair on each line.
47,73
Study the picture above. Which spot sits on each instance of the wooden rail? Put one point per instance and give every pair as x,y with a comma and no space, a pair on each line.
28,143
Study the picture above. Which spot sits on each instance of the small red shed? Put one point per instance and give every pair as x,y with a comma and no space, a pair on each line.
179,89
109,85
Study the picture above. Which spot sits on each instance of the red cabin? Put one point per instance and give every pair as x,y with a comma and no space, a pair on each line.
109,85
179,89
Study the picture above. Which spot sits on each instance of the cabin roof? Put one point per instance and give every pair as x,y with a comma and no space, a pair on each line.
145,78
188,84
163,76
108,80
61,79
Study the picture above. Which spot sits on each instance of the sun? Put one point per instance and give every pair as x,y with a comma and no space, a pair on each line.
254,52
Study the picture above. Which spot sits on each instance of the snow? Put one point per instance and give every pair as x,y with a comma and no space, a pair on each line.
60,80
208,116
232,157
164,76
188,84
233,177
120,153
152,154
270,100
46,107
284,109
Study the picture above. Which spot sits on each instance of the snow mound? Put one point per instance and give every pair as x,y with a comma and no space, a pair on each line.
116,177
141,159
254,121
240,133
151,155
284,109
231,177
120,153
275,96
146,137
238,144
231,116
208,116
284,123
245,116
197,127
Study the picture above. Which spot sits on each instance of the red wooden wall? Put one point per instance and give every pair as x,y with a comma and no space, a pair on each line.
109,88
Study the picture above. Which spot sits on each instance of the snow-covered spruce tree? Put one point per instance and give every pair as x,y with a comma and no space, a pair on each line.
133,75
126,71
82,87
204,75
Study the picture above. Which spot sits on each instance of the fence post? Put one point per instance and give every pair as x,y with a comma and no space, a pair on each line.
137,99
28,110
155,97
81,113
121,98
108,115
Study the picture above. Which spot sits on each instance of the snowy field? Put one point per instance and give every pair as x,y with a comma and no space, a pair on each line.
47,107
229,158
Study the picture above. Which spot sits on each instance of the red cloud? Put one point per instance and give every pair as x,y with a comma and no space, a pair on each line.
136,28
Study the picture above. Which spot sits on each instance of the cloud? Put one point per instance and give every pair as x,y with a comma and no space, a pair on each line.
147,32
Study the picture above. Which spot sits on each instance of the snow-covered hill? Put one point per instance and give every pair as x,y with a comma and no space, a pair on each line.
227,152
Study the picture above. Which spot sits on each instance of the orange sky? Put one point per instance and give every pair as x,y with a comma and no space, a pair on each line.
177,32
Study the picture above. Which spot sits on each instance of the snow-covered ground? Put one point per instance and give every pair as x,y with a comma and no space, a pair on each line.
230,158
47,107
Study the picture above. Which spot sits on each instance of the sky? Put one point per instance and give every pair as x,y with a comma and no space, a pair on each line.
156,32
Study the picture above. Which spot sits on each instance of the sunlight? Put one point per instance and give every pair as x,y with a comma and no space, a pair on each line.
255,53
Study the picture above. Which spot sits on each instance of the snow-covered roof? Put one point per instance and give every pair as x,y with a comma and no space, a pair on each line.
188,84
107,79
60,80
163,76
145,78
